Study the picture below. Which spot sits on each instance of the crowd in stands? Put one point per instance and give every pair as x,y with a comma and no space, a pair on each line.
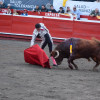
73,12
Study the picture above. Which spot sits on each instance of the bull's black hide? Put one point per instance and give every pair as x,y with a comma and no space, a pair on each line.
81,48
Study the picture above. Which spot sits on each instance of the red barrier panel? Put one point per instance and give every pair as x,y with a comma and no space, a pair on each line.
59,28
24,25
49,14
90,18
86,29
6,23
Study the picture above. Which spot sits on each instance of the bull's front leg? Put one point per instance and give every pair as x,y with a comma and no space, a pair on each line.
97,63
70,61
76,67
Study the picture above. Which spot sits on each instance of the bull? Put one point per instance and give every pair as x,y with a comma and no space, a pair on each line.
81,48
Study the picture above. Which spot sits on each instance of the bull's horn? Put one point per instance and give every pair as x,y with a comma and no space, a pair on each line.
57,54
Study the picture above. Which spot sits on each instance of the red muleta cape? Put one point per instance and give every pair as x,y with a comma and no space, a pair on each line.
35,55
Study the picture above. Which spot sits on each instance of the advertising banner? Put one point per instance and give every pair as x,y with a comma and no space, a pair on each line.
57,4
27,4
85,8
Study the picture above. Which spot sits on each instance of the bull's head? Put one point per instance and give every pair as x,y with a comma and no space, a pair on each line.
58,56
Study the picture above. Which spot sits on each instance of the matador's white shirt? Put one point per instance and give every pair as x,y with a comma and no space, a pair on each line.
41,33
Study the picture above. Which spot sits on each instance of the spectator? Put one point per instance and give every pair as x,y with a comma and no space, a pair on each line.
52,9
8,9
36,9
25,13
95,13
61,10
15,12
43,9
76,13
0,10
68,10
8,6
2,5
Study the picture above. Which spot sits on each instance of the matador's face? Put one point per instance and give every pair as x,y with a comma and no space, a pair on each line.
38,29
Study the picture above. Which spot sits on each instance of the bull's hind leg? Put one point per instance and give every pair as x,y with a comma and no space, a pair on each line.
94,68
97,63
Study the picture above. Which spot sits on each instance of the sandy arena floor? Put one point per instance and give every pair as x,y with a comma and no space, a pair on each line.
22,81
